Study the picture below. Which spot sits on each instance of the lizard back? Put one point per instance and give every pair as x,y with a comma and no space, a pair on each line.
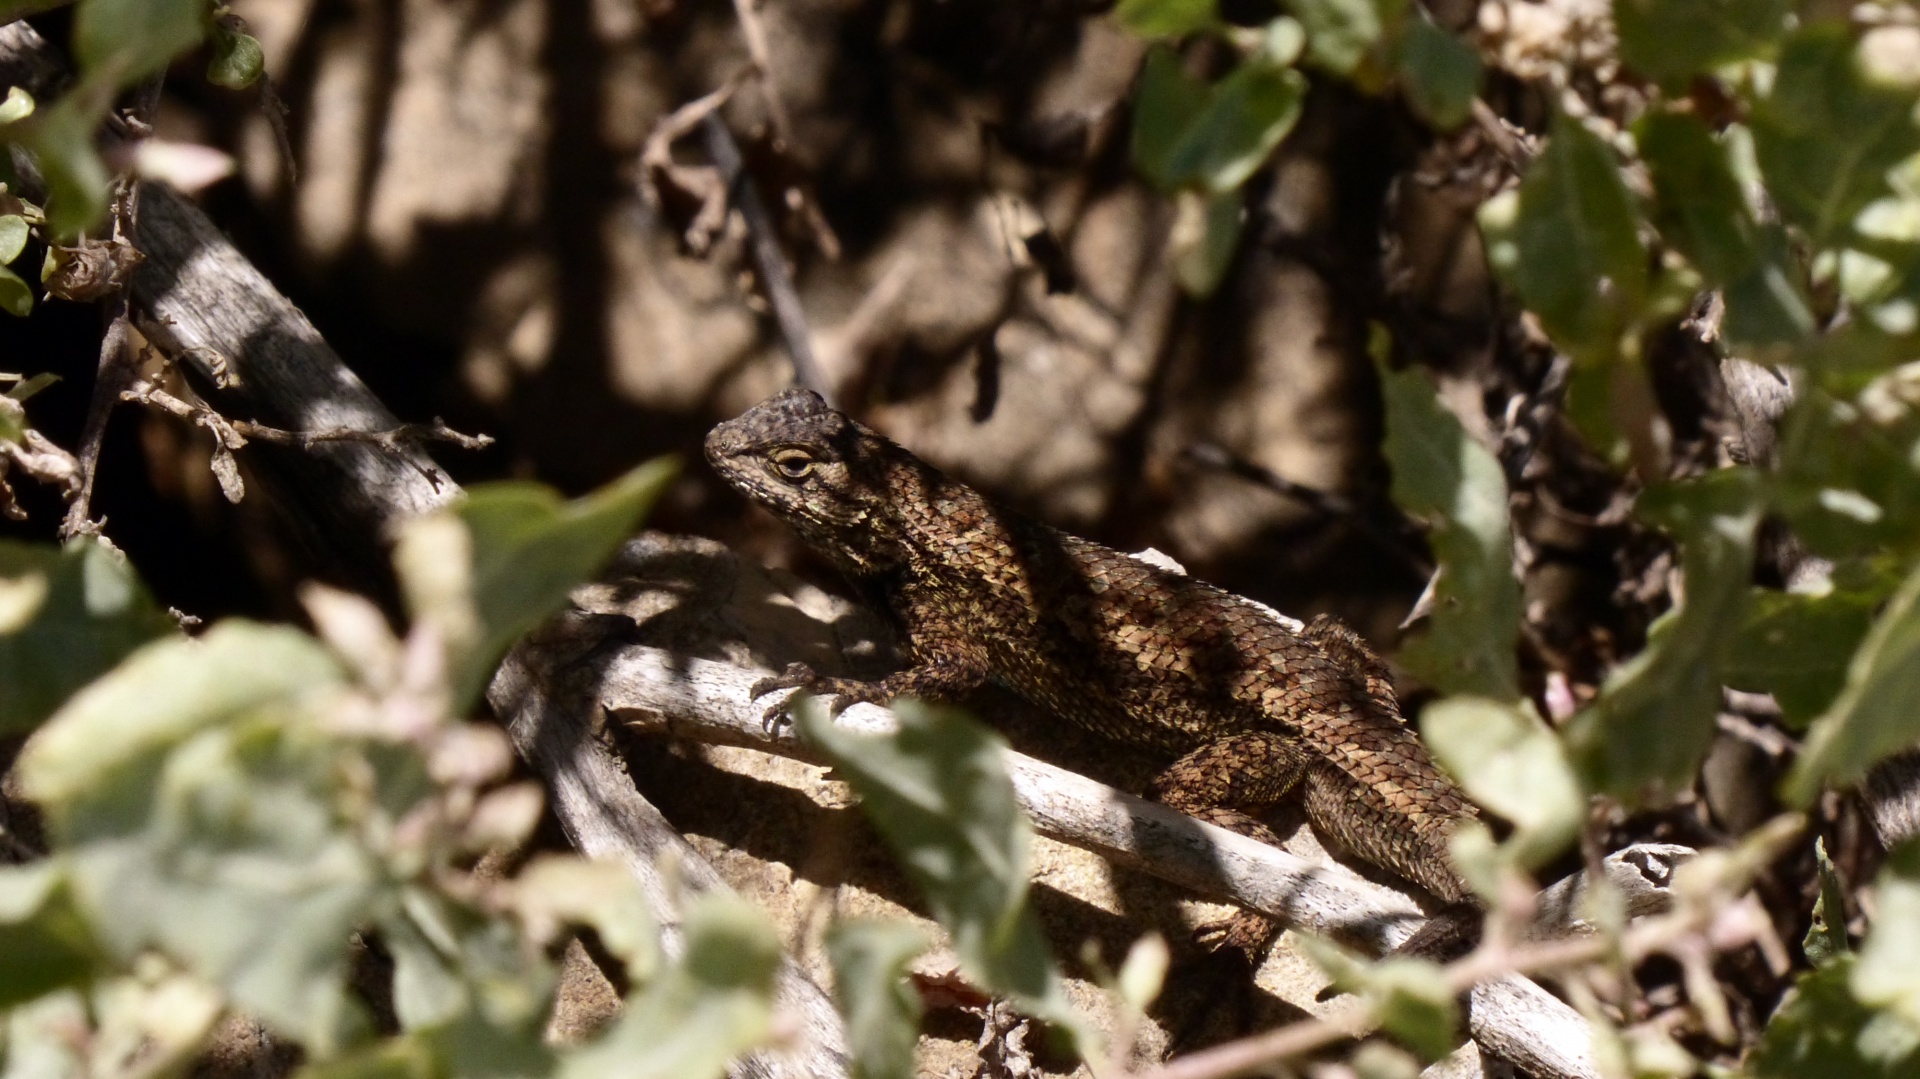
1137,653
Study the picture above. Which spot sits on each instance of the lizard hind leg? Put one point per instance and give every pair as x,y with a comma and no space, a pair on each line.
1226,782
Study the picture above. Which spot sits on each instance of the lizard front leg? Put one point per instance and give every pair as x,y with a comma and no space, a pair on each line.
945,669
1225,782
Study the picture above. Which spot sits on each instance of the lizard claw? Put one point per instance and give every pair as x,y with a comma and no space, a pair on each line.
797,677
1247,933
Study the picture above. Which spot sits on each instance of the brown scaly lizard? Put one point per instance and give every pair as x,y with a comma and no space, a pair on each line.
1246,710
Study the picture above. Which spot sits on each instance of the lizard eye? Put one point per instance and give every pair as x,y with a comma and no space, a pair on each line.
792,464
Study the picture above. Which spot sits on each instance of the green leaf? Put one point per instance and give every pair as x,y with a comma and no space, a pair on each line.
409,1056
13,10
18,104
1245,116
1164,103
1166,18
1187,133
703,1012
1382,1060
127,40
1645,735
530,550
1143,973
42,933
1878,710
1846,479
1797,647
1439,73
237,61
1206,229
1821,1031
1567,243
1701,209
66,616
600,894
466,975
1826,939
61,138
1410,996
1513,764
1768,304
476,1047
27,387
427,989
1341,33
938,793
882,1009
1416,1005
469,1049
1830,129
1886,975
1443,476
1669,40
39,1037
16,296
13,236
197,796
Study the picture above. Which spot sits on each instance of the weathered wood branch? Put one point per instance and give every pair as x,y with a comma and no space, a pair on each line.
255,356
605,817
598,661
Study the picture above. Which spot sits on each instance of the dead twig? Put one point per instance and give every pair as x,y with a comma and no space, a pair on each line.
702,182
756,38
797,197
40,458
767,255
1722,917
230,435
115,359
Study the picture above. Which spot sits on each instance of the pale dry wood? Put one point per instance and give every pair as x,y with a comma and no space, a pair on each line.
1512,1018
662,691
256,357
605,817
634,649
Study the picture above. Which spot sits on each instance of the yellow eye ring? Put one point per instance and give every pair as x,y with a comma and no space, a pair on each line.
793,464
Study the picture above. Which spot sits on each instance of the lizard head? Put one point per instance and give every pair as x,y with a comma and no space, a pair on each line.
823,474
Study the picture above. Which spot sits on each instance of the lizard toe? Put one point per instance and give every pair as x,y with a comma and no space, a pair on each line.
796,676
1248,933
779,714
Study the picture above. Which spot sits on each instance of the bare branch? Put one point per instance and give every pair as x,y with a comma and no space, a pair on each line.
230,435
40,458
767,255
588,663
116,358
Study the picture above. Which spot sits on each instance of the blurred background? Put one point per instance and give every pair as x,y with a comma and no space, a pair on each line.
472,222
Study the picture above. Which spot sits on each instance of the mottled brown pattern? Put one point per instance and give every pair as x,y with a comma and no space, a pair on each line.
1246,710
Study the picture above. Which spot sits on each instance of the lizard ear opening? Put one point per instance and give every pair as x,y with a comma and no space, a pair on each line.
792,463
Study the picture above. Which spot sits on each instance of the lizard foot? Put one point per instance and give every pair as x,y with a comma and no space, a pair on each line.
1246,932
802,679
799,678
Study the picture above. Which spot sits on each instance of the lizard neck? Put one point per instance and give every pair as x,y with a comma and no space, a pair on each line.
960,542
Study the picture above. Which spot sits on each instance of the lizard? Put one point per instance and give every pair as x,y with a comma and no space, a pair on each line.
1245,709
